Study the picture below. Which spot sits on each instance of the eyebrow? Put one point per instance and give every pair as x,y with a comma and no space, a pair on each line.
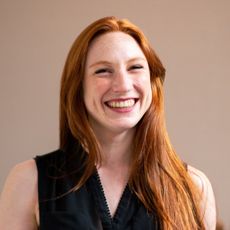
109,63
100,63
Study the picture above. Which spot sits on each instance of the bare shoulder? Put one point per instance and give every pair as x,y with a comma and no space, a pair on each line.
208,206
19,198
23,173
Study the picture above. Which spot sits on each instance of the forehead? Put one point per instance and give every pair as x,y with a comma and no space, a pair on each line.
114,45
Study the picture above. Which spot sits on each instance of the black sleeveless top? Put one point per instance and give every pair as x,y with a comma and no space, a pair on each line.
85,208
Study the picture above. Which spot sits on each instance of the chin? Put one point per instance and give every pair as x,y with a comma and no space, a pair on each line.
123,127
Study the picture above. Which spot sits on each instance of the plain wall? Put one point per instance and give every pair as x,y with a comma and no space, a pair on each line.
192,39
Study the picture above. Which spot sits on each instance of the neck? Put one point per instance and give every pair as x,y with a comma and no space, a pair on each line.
116,148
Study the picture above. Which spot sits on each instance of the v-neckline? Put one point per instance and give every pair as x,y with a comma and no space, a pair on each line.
121,200
102,204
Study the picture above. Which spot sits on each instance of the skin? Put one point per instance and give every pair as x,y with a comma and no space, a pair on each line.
117,93
117,74
19,198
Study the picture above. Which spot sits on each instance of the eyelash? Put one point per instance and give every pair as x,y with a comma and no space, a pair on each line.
106,70
136,67
103,70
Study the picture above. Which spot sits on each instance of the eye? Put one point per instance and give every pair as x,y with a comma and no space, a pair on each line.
103,70
136,67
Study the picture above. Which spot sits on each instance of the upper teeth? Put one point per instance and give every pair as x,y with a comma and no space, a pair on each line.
121,104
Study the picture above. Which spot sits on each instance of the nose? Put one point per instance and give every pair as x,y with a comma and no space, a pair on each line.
122,82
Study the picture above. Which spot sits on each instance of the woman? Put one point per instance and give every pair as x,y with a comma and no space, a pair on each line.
115,168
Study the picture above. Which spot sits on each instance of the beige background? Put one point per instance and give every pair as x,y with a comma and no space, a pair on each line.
191,37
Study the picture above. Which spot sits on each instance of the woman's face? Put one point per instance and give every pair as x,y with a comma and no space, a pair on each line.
117,90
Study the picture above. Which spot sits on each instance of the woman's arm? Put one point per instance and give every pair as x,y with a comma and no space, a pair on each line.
19,198
208,206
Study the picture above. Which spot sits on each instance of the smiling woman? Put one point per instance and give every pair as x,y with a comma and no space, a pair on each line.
116,168
117,92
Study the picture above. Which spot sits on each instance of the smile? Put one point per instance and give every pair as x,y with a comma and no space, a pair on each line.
121,103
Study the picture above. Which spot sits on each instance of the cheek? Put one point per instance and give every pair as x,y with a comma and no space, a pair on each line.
90,87
148,96
95,89
147,92
87,93
144,86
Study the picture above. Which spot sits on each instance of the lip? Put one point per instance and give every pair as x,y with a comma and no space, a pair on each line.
121,104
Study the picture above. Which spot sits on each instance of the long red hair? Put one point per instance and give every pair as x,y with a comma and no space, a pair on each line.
158,177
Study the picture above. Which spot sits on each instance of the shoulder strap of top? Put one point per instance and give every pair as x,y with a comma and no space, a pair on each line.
59,171
48,167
